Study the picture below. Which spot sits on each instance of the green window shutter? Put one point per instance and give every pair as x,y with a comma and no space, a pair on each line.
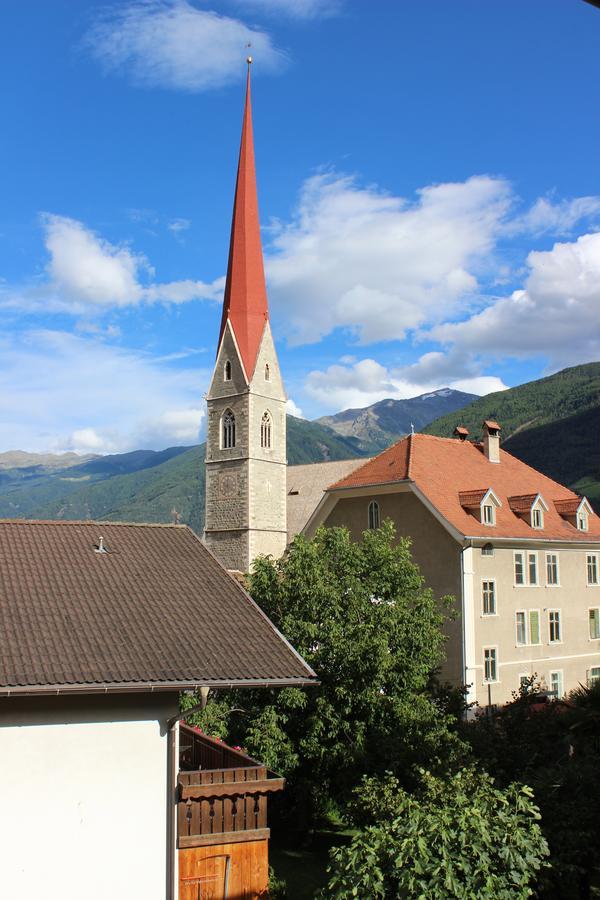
534,626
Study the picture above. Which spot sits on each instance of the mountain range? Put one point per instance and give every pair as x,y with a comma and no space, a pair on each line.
553,424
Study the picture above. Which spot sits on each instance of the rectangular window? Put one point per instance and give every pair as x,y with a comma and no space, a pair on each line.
532,567
595,624
537,519
594,675
488,514
487,550
519,569
582,521
554,626
534,626
521,626
489,598
490,664
556,685
592,568
551,568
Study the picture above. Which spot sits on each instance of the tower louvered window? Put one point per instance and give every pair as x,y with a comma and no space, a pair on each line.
265,431
227,371
267,372
228,430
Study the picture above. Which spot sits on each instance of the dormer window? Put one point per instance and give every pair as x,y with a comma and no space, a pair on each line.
227,371
575,510
267,372
537,518
489,514
582,520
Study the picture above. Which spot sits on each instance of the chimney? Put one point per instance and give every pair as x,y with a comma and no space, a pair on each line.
491,440
461,432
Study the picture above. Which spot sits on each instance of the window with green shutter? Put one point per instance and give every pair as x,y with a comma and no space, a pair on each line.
595,624
534,626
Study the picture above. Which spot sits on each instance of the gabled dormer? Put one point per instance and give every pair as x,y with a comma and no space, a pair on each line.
482,504
576,511
530,508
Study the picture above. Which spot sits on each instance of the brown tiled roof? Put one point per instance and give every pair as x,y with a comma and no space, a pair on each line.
444,468
521,503
470,499
568,507
157,610
460,429
489,423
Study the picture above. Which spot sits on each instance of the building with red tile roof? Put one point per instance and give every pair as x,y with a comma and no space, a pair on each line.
518,551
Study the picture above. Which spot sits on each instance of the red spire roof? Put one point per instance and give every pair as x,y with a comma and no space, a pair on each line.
245,302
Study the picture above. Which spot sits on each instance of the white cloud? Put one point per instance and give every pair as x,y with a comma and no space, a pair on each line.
367,381
178,225
548,217
87,274
172,44
60,391
297,9
357,258
293,409
554,316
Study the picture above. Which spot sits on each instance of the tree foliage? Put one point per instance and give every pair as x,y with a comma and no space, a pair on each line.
459,837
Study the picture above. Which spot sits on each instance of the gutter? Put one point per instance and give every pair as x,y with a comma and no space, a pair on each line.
151,687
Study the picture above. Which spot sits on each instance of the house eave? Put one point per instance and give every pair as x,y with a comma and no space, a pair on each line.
151,687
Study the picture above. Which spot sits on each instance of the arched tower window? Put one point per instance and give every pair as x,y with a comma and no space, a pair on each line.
265,430
227,371
228,430
267,372
373,514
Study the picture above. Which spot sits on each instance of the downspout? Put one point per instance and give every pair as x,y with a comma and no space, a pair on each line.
463,630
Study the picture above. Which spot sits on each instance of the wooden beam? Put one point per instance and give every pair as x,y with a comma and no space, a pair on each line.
225,837
231,789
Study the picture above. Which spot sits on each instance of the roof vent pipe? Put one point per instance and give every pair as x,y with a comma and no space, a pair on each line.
491,440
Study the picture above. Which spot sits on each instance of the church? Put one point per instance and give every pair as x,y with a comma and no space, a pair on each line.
518,552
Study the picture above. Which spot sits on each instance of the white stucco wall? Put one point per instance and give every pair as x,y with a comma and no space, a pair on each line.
83,788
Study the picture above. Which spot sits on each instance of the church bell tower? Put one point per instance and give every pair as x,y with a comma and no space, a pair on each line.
246,439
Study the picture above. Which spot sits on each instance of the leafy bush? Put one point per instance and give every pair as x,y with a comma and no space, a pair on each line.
462,838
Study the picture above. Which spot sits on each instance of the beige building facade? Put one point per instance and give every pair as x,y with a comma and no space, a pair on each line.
525,605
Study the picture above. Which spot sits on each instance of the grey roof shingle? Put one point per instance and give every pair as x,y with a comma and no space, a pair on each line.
157,610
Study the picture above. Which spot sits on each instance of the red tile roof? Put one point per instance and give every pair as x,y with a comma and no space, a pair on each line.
445,468
489,423
568,507
245,302
521,503
157,610
470,499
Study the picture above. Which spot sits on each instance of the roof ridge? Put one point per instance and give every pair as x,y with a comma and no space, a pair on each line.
97,522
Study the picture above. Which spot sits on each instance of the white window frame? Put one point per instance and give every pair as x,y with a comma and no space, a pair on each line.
537,512
561,692
494,650
525,642
484,515
489,548
593,678
520,553
523,676
560,637
582,519
596,566
596,618
373,517
553,584
534,554
491,581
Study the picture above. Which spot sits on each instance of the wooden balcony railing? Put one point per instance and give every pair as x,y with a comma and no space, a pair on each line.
225,804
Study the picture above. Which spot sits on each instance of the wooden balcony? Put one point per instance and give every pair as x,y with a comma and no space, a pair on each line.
222,793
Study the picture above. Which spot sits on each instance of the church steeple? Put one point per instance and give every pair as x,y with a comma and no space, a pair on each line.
246,434
245,302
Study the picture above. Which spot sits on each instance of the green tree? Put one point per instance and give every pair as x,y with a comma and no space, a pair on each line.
360,615
460,837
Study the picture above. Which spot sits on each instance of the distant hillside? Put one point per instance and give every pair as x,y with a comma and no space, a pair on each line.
375,427
143,486
552,424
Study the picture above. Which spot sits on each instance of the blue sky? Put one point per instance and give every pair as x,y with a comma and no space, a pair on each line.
428,183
